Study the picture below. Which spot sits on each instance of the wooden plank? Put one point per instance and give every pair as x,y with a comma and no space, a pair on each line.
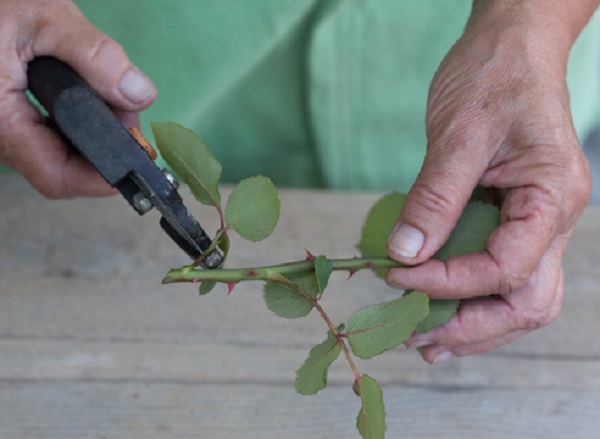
67,410
81,359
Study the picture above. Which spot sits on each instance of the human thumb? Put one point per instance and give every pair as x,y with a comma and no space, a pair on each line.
433,204
66,34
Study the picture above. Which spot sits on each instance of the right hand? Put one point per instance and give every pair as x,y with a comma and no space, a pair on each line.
498,115
57,28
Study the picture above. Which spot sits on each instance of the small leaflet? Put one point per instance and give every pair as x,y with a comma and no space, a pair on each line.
323,270
189,157
312,375
206,287
224,244
374,329
472,231
253,208
370,421
287,303
440,312
379,224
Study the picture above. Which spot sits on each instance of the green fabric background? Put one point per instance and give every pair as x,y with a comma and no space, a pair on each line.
309,92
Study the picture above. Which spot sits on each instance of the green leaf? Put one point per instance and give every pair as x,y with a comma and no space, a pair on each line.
440,312
312,375
323,270
224,244
370,421
378,225
472,231
206,287
288,304
253,208
377,328
190,159
480,193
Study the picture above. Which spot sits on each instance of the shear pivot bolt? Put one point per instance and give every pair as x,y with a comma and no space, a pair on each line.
141,203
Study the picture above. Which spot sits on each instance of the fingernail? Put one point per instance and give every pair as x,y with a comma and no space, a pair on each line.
135,86
406,241
441,357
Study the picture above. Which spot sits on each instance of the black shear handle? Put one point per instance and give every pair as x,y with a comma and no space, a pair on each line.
84,118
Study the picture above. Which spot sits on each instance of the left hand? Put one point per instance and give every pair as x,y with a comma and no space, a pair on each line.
498,115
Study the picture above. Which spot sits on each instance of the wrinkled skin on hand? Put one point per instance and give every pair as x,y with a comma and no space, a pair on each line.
56,27
498,115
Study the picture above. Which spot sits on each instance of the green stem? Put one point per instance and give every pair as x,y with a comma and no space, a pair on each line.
191,274
340,340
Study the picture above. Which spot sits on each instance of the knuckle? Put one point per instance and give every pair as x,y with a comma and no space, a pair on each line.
433,201
581,184
534,318
570,189
105,51
512,280
511,273
573,168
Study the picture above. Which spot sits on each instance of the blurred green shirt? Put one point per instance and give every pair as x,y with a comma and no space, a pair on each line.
312,93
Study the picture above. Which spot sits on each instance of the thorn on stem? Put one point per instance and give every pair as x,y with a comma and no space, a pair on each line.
309,256
231,286
351,273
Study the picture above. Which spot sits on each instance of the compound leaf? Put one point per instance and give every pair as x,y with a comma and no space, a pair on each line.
253,208
377,328
190,159
370,421
312,375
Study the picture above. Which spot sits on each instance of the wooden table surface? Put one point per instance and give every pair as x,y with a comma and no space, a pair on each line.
92,346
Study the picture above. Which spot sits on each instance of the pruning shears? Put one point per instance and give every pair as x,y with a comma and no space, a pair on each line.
121,157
